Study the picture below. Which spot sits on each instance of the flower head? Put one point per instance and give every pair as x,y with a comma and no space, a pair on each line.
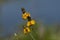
25,15
30,23
26,30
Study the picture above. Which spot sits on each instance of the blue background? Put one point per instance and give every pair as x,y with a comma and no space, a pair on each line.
47,11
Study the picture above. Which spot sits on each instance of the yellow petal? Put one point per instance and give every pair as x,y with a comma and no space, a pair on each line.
27,14
32,22
28,23
28,29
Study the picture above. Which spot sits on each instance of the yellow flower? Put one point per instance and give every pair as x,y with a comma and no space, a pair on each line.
30,23
25,15
26,30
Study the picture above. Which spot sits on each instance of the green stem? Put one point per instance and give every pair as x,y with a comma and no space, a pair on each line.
32,36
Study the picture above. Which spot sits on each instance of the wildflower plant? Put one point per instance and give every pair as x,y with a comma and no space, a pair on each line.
29,29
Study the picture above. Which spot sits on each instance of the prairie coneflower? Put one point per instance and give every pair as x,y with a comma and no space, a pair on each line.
26,30
30,23
24,14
